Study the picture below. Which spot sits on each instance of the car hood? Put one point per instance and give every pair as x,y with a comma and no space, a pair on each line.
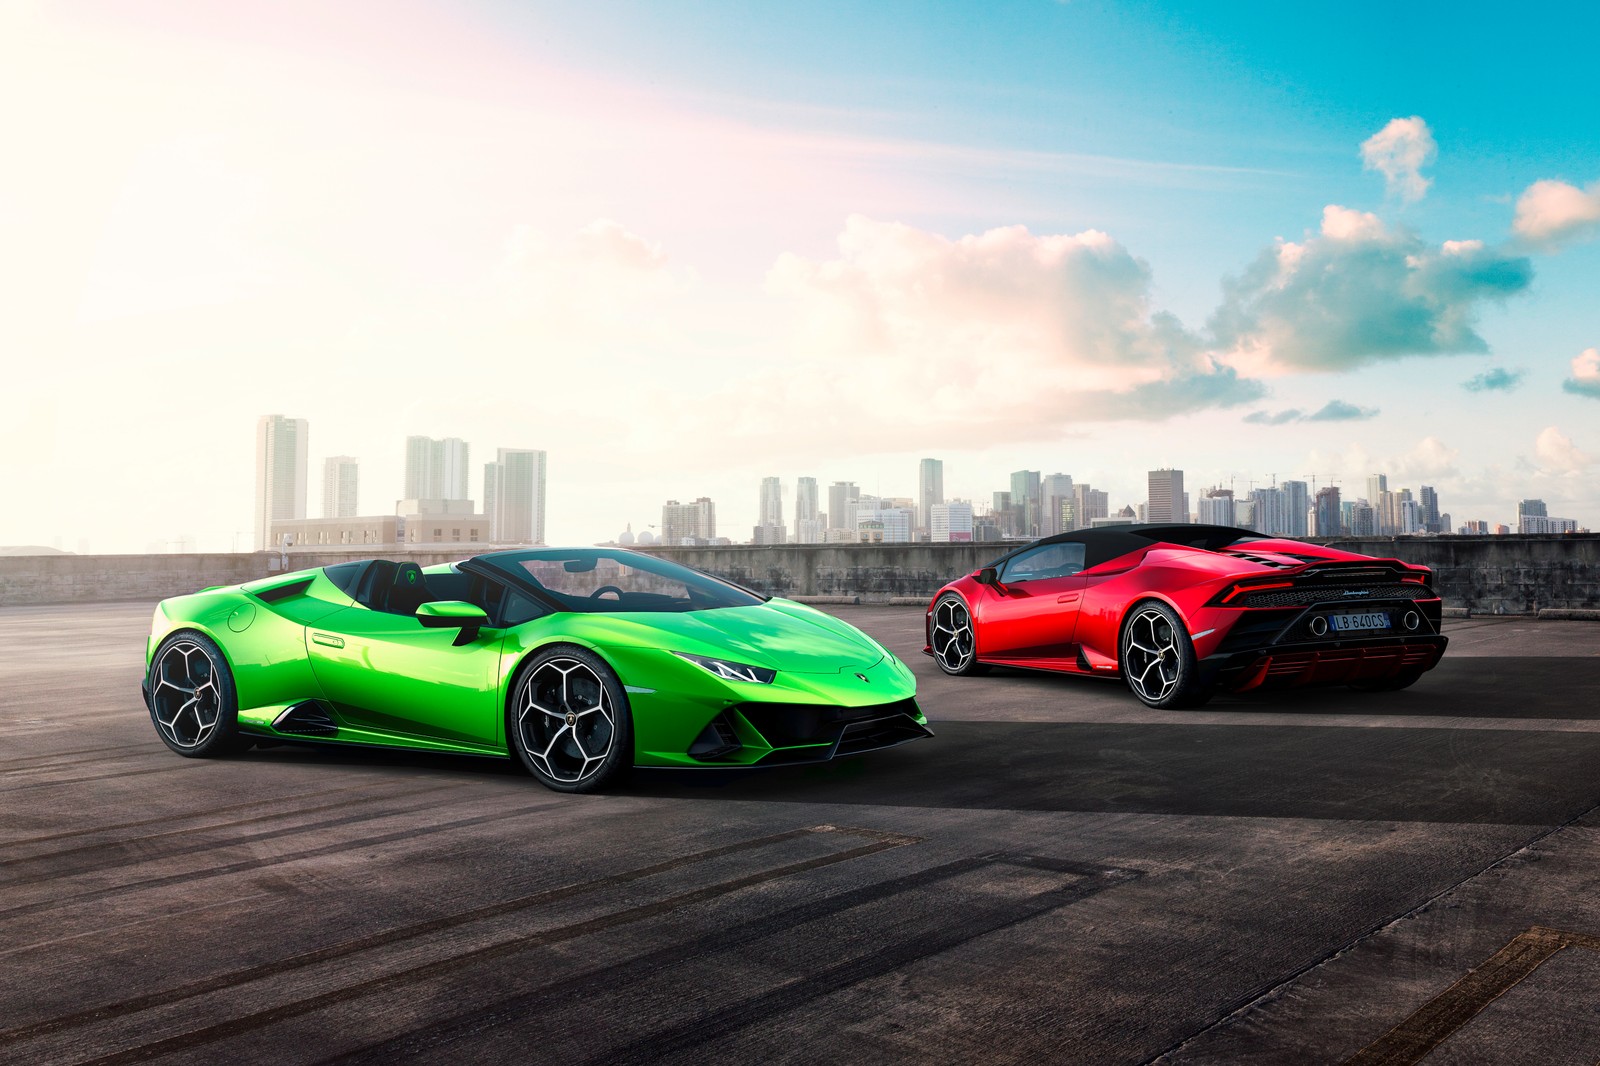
778,634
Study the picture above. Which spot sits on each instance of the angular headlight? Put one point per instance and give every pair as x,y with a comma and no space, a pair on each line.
731,671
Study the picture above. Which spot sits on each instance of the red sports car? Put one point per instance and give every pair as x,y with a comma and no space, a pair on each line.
1183,611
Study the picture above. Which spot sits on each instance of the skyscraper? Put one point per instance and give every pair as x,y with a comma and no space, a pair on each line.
1092,503
1429,511
339,487
1026,501
1167,497
930,490
808,528
1216,507
514,495
436,469
688,523
950,522
1329,514
280,472
1377,485
771,513
1296,505
1058,508
842,497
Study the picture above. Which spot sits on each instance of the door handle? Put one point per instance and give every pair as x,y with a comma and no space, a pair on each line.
327,639
1068,597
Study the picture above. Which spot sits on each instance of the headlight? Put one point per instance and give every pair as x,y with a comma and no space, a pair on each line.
730,671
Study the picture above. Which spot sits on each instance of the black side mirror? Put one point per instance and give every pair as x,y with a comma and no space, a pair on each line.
453,614
987,576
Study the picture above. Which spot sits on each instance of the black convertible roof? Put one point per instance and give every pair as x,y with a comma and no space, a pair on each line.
1109,542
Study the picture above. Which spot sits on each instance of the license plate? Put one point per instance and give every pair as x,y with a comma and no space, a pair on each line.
1348,623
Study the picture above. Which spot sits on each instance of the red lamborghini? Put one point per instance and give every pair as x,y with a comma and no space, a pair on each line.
1183,611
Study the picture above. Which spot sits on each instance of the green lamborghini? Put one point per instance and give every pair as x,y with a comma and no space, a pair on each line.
579,662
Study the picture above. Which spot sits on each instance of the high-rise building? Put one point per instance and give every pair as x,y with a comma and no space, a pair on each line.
1026,488
1296,506
1329,519
339,487
842,497
1168,503
514,495
880,521
437,469
808,522
1377,485
1363,520
1216,507
950,522
930,490
1269,512
688,523
1091,504
1531,509
770,528
1058,511
280,472
1429,516
1004,515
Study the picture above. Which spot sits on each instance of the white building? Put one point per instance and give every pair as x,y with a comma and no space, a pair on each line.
930,490
808,522
339,476
280,473
514,495
950,522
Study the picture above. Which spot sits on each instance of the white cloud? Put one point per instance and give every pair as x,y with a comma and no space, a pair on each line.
1399,151
1003,332
1585,379
1551,212
1359,293
1557,454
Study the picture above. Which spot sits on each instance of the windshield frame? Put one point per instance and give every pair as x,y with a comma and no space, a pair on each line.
508,566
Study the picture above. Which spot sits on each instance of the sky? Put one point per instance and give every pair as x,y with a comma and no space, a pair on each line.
682,247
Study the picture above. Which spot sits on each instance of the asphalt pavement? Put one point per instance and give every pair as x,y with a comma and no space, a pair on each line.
1059,875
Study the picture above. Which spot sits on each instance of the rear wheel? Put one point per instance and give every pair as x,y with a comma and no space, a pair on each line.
1158,659
569,721
954,640
193,703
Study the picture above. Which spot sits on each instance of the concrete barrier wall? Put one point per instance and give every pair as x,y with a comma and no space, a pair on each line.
1488,575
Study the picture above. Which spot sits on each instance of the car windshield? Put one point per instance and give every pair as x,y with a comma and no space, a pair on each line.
602,580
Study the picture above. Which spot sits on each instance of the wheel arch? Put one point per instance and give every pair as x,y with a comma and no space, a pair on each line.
513,676
1133,605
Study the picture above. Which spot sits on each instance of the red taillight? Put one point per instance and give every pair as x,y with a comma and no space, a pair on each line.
1414,580
1239,589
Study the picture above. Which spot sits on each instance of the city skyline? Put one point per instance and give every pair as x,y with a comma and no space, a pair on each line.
1087,239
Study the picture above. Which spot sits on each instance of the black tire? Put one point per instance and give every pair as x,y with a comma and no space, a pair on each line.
193,703
1157,658
1403,679
954,638
568,721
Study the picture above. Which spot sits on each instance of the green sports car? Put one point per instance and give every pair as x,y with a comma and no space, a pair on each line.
579,662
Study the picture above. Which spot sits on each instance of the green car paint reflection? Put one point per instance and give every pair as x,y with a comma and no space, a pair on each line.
579,662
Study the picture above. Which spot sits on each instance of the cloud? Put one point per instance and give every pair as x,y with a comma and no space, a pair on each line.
1553,212
1557,454
1585,379
1332,411
1269,418
1357,293
1340,411
1399,151
1010,333
1495,379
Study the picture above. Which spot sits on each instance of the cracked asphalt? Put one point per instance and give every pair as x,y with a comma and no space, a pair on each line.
1060,875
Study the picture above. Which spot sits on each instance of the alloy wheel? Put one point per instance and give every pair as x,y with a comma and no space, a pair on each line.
186,700
1152,658
953,641
566,721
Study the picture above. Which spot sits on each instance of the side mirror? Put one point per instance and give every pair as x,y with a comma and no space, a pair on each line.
988,576
453,614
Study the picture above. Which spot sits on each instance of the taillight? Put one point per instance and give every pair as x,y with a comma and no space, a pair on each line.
1241,588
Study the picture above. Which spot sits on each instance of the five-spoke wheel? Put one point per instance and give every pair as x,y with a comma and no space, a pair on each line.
955,644
1158,658
192,699
569,721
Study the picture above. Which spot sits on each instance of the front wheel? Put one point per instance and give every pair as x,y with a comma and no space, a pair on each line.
193,703
569,722
1158,659
955,642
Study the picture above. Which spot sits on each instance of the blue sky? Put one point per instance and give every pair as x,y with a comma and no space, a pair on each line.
682,247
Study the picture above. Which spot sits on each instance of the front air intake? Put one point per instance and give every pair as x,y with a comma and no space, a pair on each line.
716,740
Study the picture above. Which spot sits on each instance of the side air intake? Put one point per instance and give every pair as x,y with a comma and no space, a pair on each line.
307,719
